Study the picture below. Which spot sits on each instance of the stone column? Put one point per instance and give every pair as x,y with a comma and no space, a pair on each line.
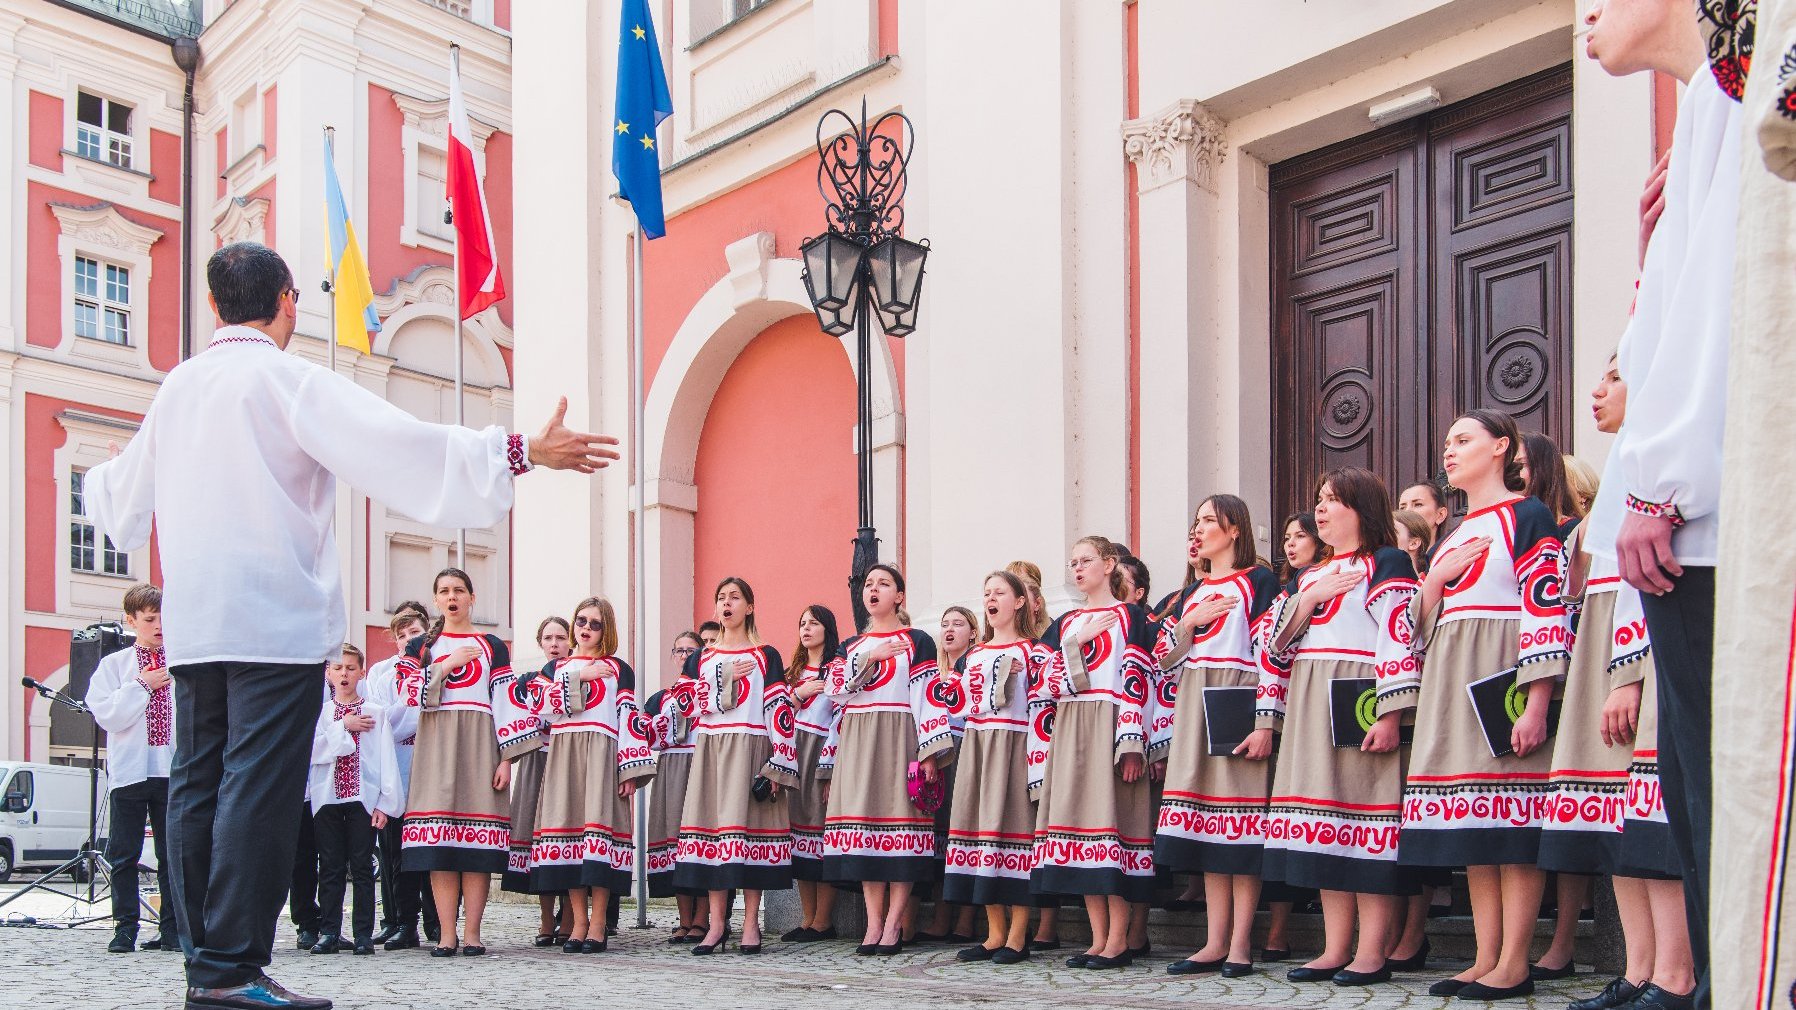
1176,152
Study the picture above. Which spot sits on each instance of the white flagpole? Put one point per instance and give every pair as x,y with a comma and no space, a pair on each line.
330,280
461,535
642,631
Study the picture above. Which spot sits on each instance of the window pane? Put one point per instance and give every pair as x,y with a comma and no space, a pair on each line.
113,560
77,500
87,319
118,326
87,109
432,171
119,152
87,142
87,277
118,284
81,546
118,117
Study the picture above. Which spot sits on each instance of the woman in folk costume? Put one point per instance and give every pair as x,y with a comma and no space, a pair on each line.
458,820
991,834
1041,722
1336,807
735,832
817,645
553,636
670,737
1211,816
950,922
1490,605
890,722
1094,823
598,756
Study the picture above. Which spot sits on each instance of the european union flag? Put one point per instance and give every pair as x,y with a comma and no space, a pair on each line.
642,103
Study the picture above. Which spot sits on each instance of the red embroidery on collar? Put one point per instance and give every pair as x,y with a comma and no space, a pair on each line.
159,717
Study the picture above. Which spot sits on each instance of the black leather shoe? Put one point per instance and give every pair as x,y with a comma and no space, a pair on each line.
364,947
977,952
1447,987
1077,960
473,950
867,949
1237,969
1491,993
1656,998
308,938
1539,974
1619,992
1190,967
262,994
1275,954
1044,944
801,934
572,946
154,943
444,951
1418,962
595,946
390,931
1009,955
327,944
1348,977
1312,974
825,934
405,939
122,943
1098,962
888,949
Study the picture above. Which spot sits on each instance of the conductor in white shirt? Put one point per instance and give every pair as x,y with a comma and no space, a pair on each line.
237,463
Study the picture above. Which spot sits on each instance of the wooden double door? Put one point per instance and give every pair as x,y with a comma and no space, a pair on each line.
1418,272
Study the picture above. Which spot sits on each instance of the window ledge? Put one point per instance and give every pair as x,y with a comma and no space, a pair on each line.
107,164
727,26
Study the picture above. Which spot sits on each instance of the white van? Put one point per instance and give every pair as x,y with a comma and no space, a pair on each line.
43,814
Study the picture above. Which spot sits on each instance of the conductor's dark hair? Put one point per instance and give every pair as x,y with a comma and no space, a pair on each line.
247,281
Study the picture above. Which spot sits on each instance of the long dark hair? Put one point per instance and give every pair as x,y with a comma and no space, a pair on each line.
1501,425
1307,522
436,626
1360,490
1547,479
748,597
801,656
1235,516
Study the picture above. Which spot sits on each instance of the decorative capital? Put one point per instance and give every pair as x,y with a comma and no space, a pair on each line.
432,118
242,220
1180,142
748,258
101,225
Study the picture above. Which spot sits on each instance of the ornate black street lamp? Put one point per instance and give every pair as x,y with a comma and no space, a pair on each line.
861,270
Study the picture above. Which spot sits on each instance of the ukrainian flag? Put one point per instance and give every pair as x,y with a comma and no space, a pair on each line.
350,286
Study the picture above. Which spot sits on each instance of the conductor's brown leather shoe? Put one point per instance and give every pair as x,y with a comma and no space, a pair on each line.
262,994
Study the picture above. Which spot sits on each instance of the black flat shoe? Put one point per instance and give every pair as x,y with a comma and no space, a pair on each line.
1009,955
1619,992
977,952
444,951
888,949
473,950
262,994
1447,987
801,934
1044,944
1275,954
1655,998
405,939
364,947
1312,974
1190,967
153,943
825,934
595,946
1538,973
867,949
1416,962
327,944
1098,962
542,940
1077,960
1491,993
1348,977
572,946
748,948
1237,969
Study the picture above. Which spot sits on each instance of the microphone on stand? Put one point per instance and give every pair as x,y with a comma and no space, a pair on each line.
35,686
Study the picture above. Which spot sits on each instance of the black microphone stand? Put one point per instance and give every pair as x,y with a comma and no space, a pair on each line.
90,862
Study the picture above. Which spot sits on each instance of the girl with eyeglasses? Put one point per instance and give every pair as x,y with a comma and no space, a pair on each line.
670,737
809,802
554,637
584,842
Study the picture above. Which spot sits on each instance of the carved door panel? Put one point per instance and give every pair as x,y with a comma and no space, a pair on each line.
1417,272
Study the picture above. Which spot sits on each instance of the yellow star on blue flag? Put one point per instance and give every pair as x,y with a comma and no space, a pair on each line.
642,97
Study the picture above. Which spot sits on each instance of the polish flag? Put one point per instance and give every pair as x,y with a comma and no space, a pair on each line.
479,279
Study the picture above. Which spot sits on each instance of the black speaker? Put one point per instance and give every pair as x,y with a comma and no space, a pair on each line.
86,648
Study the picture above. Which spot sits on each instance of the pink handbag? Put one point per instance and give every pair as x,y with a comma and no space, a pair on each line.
925,795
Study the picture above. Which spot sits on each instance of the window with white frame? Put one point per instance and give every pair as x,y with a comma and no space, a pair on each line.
84,555
246,124
431,193
102,301
102,129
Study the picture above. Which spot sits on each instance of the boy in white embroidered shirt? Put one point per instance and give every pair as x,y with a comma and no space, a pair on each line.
353,784
132,701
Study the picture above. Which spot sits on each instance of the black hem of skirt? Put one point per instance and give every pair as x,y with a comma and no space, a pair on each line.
516,883
1185,855
1278,890
966,889
879,869
700,878
457,860
808,870
1470,847
1647,851
1340,873
555,879
661,885
1065,880
1589,853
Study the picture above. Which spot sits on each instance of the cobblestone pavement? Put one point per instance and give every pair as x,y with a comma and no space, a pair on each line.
45,968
